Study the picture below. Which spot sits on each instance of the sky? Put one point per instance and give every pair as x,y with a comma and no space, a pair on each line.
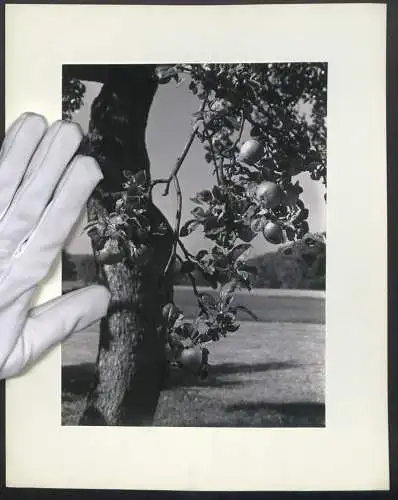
169,126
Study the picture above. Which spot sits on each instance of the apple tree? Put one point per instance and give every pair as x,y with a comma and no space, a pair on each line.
256,140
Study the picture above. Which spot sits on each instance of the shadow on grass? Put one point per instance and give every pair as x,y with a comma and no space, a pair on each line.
238,368
184,379
181,378
77,379
292,414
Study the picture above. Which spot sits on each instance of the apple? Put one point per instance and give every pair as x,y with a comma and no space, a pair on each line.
268,194
191,358
251,151
273,233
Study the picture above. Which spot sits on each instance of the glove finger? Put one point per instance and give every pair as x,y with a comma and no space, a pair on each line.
20,142
13,316
47,165
33,260
51,323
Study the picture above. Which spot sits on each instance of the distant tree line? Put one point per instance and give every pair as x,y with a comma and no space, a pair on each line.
296,265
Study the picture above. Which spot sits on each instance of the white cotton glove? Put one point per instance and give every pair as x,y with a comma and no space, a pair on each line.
42,194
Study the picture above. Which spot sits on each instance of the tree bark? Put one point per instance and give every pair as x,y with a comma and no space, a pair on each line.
131,363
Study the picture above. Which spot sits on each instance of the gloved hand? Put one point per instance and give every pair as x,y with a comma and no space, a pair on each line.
42,193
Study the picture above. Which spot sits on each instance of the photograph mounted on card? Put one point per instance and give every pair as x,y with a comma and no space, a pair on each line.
230,337
208,243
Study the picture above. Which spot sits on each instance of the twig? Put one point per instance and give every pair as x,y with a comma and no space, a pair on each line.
181,159
258,125
158,181
192,279
219,168
176,233
195,289
242,125
187,254
222,169
219,174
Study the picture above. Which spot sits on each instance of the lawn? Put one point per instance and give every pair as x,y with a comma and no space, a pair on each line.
268,374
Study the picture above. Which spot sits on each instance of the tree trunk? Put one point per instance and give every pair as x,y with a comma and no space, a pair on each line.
131,363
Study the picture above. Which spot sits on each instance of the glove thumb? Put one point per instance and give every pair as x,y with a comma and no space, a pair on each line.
51,323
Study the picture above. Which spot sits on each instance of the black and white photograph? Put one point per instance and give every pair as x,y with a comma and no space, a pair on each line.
220,349
209,230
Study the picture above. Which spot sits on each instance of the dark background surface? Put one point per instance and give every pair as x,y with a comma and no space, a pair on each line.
392,145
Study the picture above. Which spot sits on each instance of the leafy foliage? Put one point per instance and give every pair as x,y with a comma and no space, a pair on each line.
123,235
266,99
73,91
255,190
216,318
256,139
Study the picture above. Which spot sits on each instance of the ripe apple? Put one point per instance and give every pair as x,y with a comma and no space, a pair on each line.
191,358
273,233
251,151
268,194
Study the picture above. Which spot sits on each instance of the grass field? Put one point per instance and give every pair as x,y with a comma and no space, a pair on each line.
268,374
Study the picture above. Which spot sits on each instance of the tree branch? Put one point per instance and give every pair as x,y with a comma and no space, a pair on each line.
181,159
97,72
195,289
242,126
191,277
219,173
177,225
187,254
